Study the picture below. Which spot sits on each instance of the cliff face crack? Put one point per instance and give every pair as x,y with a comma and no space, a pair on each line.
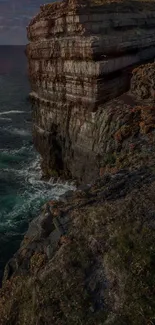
56,149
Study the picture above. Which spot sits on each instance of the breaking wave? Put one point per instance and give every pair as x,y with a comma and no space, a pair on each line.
22,192
12,112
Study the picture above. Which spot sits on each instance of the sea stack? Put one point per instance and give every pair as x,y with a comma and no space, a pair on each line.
81,55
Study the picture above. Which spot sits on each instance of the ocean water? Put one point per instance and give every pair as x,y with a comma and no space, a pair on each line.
22,192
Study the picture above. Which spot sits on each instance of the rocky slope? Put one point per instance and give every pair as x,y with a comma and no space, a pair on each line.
81,54
88,259
101,269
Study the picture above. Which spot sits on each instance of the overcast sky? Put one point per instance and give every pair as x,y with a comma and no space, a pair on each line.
14,17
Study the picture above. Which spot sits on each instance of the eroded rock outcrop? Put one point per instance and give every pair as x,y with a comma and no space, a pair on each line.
81,54
101,269
88,259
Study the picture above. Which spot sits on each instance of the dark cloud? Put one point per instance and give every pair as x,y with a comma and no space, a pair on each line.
14,17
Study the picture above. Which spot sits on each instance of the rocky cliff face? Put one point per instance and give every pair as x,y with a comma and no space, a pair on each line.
100,271
89,258
81,54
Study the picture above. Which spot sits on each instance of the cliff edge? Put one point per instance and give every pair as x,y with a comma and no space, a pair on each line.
88,259
81,55
97,268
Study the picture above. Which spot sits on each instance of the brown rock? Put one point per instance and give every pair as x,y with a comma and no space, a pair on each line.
81,54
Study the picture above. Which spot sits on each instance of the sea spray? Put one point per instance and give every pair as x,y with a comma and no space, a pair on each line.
27,194
22,191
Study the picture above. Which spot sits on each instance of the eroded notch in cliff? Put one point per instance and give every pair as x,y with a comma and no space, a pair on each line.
56,143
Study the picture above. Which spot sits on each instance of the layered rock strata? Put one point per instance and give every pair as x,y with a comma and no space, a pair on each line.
89,257
80,56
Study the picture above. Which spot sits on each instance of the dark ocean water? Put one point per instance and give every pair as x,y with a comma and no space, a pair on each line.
21,191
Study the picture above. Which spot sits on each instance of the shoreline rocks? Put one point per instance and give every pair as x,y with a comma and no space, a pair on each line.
98,269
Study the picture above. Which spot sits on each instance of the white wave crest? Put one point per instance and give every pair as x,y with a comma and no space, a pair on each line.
5,119
12,112
21,132
34,193
16,151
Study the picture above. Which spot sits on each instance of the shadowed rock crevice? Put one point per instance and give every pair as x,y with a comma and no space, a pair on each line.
56,149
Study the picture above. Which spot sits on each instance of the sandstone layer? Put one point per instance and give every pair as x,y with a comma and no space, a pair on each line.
81,54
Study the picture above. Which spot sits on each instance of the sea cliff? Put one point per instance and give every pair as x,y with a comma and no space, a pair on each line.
81,55
88,259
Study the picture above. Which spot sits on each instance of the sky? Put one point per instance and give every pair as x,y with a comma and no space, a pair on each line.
14,17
